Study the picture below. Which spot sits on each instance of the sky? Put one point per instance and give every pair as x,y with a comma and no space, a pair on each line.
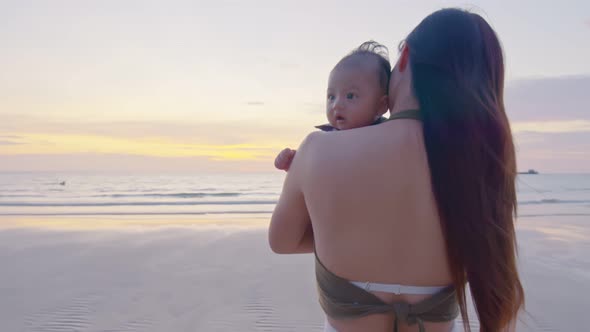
220,86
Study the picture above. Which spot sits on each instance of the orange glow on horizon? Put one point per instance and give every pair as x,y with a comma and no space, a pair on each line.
155,146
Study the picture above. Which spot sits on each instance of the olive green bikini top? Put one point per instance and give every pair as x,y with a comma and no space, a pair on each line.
407,114
340,299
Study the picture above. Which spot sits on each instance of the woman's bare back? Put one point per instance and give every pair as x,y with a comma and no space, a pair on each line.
379,225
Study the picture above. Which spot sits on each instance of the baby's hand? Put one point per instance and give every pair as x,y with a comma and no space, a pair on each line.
284,159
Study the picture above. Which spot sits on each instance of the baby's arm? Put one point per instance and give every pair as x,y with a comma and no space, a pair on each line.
284,159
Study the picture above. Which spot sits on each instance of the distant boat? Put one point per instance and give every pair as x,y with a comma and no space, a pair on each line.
63,183
530,171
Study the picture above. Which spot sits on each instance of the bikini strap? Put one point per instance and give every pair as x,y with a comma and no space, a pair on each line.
407,114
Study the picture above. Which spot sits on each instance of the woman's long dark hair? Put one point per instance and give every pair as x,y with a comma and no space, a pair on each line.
458,78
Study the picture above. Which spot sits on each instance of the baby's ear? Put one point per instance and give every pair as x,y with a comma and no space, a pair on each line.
383,105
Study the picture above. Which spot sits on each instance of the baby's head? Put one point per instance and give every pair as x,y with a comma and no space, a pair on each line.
357,87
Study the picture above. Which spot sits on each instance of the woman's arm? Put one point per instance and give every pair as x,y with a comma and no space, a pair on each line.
290,228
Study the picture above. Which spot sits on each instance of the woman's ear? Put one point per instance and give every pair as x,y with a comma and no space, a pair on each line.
404,58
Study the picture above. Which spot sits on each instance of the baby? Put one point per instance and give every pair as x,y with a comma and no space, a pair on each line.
357,93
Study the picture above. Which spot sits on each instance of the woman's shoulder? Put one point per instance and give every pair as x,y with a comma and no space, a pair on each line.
310,142
342,149
389,134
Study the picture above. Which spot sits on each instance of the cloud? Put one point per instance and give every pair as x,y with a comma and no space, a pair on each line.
117,163
202,132
156,147
231,140
552,126
565,141
10,140
550,119
587,22
548,99
553,152
9,143
255,103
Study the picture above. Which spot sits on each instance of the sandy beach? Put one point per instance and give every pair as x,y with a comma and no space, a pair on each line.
149,275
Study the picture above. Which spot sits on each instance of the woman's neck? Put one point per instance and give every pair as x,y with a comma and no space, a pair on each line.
405,100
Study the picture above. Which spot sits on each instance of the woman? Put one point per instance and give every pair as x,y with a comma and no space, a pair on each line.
403,214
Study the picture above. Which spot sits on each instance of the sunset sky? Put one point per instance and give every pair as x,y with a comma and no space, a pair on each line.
196,86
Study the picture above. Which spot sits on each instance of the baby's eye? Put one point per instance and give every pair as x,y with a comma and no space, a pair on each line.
330,97
350,95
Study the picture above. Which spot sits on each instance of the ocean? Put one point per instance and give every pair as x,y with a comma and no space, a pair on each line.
51,194
55,194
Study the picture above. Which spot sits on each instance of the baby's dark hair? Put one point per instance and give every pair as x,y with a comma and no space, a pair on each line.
380,52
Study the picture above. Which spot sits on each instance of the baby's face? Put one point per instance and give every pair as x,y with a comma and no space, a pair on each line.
354,96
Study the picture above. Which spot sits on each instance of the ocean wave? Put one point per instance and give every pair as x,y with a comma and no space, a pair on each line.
174,195
20,196
531,215
553,201
132,213
98,204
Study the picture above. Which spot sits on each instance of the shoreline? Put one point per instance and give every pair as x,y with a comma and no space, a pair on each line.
211,274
